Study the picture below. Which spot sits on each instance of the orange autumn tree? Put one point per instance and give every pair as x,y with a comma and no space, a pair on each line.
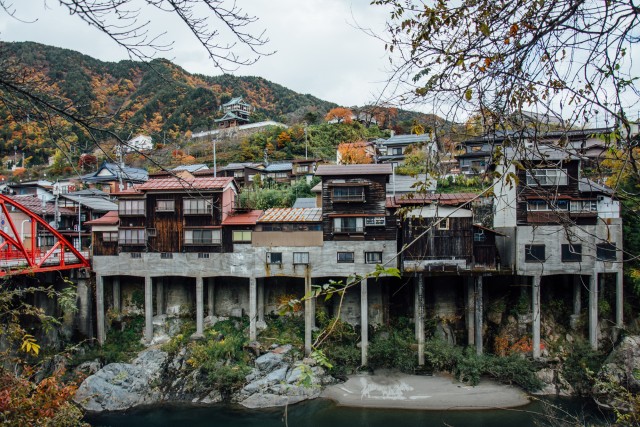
354,153
340,115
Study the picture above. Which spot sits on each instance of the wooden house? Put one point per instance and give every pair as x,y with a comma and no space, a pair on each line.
236,113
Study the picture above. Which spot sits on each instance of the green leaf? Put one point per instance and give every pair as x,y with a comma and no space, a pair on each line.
467,94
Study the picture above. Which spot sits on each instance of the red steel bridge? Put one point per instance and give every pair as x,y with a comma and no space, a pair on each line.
20,250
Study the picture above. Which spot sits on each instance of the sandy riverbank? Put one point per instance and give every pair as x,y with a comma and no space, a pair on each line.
438,392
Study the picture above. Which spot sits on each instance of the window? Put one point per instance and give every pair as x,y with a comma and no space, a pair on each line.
166,255
202,237
396,151
131,207
241,236
345,257
238,174
479,236
197,206
347,194
547,177
373,257
132,236
443,224
534,253
375,221
302,169
571,253
348,225
110,236
301,257
606,252
203,255
584,206
281,175
165,205
274,257
136,255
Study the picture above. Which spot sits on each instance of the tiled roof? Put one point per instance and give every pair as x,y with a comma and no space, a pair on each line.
34,204
279,167
359,170
127,173
190,168
232,166
203,183
248,218
110,218
292,215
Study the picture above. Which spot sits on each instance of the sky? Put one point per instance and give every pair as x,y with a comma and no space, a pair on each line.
318,48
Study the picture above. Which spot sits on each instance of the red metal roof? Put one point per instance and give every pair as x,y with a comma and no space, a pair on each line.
248,218
34,204
110,218
201,183
358,170
292,215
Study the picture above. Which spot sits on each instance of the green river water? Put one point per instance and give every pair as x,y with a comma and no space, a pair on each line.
321,413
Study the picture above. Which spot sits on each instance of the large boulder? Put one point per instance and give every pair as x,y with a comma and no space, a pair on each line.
619,370
120,386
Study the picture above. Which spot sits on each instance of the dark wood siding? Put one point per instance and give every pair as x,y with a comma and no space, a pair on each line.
102,248
456,242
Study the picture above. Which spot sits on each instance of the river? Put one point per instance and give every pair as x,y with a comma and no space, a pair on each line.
324,413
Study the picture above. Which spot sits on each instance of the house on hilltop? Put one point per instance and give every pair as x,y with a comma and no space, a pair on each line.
236,113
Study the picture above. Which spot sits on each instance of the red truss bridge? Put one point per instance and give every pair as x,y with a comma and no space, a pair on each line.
20,251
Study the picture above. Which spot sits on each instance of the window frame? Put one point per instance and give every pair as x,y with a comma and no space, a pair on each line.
132,241
339,226
303,255
529,256
111,238
193,241
541,177
353,193
570,252
206,209
368,257
443,224
171,202
274,258
243,239
126,207
346,259
607,252
375,221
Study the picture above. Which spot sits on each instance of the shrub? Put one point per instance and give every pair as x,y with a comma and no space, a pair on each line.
392,352
441,355
581,359
514,369
470,367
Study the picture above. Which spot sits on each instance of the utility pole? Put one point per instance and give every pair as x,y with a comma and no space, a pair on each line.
215,165
305,141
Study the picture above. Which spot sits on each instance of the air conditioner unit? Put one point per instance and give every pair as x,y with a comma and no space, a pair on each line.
76,227
151,232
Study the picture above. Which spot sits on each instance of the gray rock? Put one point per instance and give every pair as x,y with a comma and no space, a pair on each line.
548,378
270,400
620,368
269,361
89,368
277,375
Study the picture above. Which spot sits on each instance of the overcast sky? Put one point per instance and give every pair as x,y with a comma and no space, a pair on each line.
318,49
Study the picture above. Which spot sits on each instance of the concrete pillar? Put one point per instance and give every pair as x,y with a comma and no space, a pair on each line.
253,302
478,315
116,295
261,302
593,310
148,308
85,301
619,300
199,307
420,317
535,303
469,313
309,315
577,295
100,308
364,322
160,296
210,297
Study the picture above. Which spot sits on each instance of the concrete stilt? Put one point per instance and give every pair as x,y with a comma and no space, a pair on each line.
253,309
117,305
261,302
619,301
478,315
469,313
593,310
199,308
100,308
160,296
210,297
364,322
577,295
535,303
148,308
420,318
309,315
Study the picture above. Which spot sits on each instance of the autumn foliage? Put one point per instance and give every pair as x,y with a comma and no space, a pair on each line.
340,115
354,153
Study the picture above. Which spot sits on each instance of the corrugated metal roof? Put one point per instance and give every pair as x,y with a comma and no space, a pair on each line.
586,185
110,218
409,184
305,202
358,170
200,183
442,199
232,166
34,204
404,140
94,203
190,168
279,167
247,218
292,215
